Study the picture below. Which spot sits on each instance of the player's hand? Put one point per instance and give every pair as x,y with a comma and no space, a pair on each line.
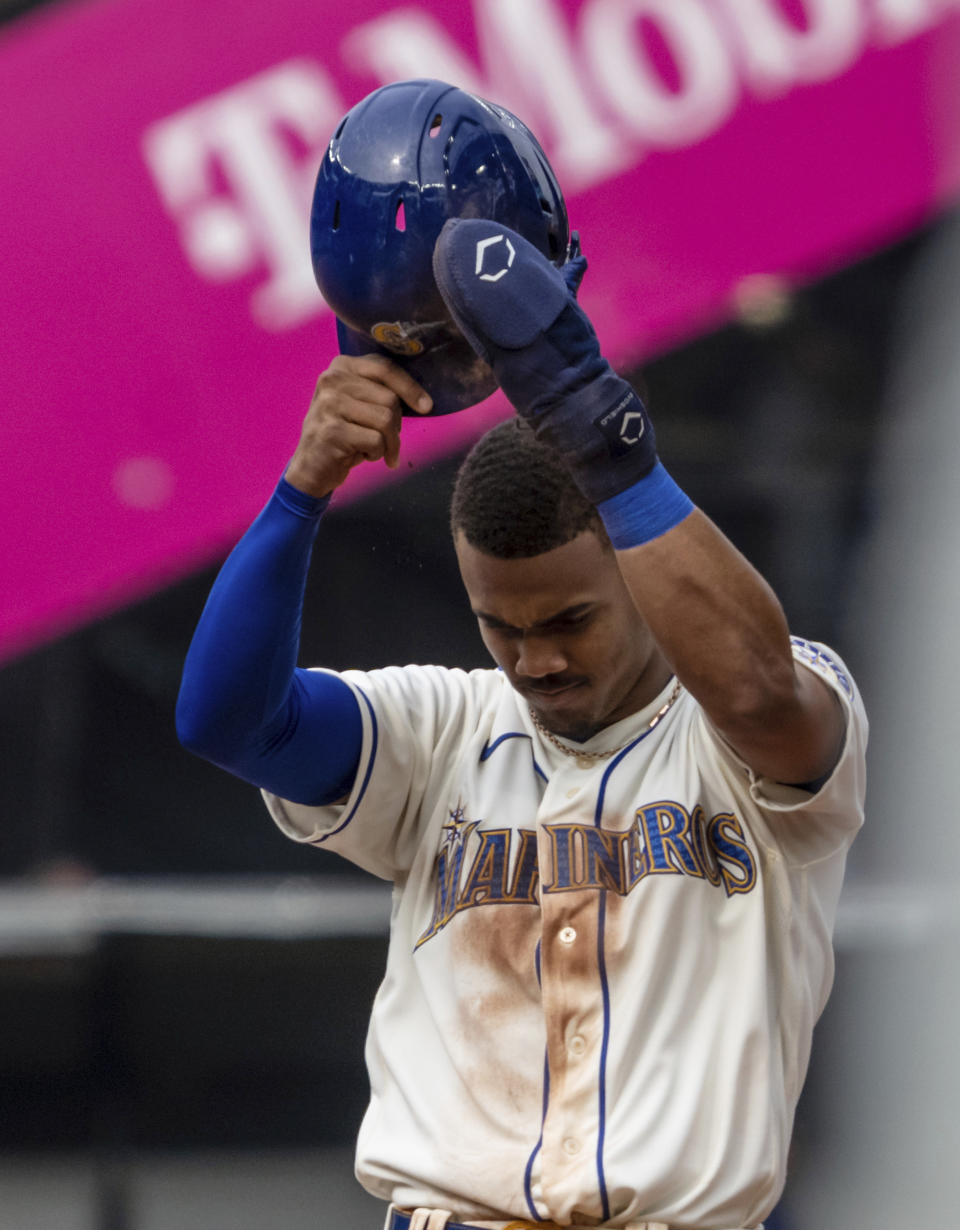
518,312
354,416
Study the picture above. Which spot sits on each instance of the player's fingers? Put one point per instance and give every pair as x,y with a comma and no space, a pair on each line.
386,421
339,390
379,429
357,442
360,399
383,418
363,389
379,369
392,442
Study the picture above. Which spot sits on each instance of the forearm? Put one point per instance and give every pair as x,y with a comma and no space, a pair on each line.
715,618
724,633
243,704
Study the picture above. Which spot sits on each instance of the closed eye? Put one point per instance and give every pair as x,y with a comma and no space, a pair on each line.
564,621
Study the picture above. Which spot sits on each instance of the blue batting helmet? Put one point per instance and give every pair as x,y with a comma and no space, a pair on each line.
400,163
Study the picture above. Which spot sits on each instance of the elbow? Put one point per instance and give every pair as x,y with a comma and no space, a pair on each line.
191,733
197,729
217,731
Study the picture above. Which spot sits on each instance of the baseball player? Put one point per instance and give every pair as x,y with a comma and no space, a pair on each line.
616,856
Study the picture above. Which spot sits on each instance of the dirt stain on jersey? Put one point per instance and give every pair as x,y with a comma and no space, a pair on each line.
494,959
503,940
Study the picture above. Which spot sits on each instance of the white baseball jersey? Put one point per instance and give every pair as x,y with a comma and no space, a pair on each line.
603,976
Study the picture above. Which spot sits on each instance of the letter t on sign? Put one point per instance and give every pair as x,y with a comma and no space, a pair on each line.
228,174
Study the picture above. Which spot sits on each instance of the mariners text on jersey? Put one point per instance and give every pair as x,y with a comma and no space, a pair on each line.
479,866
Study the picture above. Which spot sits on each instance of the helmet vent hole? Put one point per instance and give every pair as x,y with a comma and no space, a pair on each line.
400,218
545,205
435,125
336,216
553,245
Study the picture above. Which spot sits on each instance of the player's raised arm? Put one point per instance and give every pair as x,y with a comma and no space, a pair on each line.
715,619
722,628
244,704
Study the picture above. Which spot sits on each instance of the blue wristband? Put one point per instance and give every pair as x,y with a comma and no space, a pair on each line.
646,510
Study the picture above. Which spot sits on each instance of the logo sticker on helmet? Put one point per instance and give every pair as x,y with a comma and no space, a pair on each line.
395,336
496,258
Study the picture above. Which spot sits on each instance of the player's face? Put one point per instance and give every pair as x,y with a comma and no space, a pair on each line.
565,631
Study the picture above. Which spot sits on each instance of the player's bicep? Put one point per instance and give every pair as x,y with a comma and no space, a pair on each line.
310,751
801,742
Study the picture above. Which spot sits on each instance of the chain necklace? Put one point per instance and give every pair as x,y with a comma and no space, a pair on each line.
586,760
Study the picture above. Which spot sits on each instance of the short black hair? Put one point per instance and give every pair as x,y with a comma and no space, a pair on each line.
514,498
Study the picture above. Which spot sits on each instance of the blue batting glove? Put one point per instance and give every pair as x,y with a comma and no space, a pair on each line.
520,314
575,266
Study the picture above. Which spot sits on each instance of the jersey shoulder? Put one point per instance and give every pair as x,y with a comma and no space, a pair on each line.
825,662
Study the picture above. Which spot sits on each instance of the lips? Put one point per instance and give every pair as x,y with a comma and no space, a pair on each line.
546,690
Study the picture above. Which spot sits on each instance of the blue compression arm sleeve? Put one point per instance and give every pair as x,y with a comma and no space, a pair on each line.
244,704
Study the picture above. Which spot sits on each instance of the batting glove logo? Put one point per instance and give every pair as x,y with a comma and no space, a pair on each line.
623,426
493,264
632,427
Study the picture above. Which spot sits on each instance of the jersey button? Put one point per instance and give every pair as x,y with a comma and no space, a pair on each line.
571,1146
578,1044
573,792
567,935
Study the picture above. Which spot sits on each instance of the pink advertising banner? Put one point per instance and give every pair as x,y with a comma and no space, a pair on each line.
161,332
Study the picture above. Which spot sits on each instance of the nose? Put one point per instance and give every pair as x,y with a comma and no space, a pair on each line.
540,656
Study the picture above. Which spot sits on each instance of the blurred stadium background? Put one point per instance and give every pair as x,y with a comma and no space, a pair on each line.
767,190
